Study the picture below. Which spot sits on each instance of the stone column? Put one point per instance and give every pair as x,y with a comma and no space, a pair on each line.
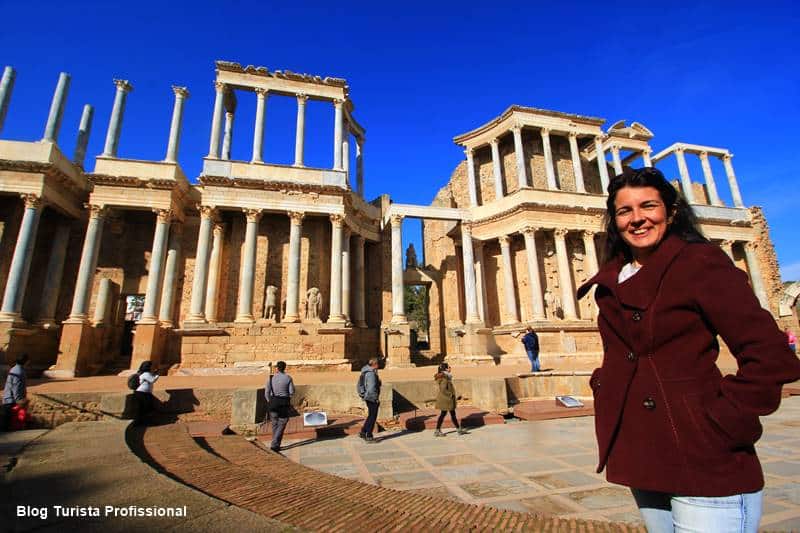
337,134
508,281
227,136
522,175
55,273
216,122
117,112
244,310
480,282
57,109
103,300
258,134
472,186
335,315
6,88
727,247
84,130
713,196
470,289
686,180
548,160
755,274
534,281
197,305
565,279
359,310
398,303
300,131
646,158
293,276
214,266
91,249
360,166
156,269
346,275
734,185
497,170
181,94
165,312
346,156
592,266
616,158
21,260
576,162
602,167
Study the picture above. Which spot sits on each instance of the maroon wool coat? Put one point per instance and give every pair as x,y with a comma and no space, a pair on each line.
665,417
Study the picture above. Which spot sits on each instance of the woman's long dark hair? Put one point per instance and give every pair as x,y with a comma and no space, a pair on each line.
684,222
146,366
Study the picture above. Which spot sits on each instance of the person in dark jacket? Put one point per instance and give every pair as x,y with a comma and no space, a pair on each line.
15,392
669,424
531,342
369,389
278,393
446,399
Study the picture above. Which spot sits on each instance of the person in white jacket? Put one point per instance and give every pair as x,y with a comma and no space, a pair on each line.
144,392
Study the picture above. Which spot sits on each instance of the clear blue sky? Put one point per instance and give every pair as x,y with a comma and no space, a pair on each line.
717,73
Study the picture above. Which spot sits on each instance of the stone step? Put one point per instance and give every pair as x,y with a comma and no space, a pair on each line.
338,426
549,408
468,416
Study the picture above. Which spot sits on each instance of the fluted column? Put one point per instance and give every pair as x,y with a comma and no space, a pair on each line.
360,166
293,276
522,175
181,94
480,281
646,158
258,134
227,136
602,167
616,159
497,169
117,113
732,183
576,162
216,122
713,196
565,279
300,131
57,109
591,265
156,268
534,281
508,281
244,309
755,274
17,281
84,130
472,186
102,303
167,307
55,272
398,304
89,254
346,274
6,88
346,156
197,306
214,267
470,289
359,309
686,180
548,160
335,315
338,126
727,247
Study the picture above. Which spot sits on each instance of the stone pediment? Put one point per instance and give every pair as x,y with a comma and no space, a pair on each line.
635,131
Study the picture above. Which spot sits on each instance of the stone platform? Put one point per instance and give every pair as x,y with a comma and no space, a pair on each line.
468,416
549,408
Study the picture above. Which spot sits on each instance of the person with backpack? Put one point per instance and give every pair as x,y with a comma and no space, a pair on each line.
279,392
15,394
143,394
446,399
369,390
531,342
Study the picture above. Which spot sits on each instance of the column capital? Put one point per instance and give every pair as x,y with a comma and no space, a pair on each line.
703,155
544,131
590,233
679,150
647,151
495,142
163,216
337,220
727,157
600,138
560,232
253,215
180,92
123,85
32,201
219,227
750,246
505,240
261,92
96,211
469,152
529,229
302,98
728,243
219,86
572,134
207,211
516,127
296,217
396,219
614,146
466,229
337,102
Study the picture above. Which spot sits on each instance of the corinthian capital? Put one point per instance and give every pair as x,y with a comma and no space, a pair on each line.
505,241
261,92
529,230
253,215
337,220
396,219
163,216
32,201
124,85
95,211
219,86
181,92
207,211
560,232
296,217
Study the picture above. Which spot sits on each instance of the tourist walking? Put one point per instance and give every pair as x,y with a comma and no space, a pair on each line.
531,342
15,396
446,399
669,425
145,401
791,339
369,390
279,392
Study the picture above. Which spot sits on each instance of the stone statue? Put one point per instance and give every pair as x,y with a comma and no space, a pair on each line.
553,303
411,257
271,302
313,303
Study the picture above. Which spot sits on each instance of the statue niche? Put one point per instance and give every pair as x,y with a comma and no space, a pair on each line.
271,302
313,304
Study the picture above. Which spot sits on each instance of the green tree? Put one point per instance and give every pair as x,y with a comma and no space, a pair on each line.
416,305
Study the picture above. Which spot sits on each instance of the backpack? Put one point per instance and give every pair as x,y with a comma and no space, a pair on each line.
361,387
133,381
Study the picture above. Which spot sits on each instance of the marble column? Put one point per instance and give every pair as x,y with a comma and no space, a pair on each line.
102,303
57,109
338,126
84,130
470,288
335,315
602,167
227,136
616,159
346,156
216,122
214,268
472,186
548,160
17,281
197,305
359,309
755,274
117,113
576,162
732,183
480,281
244,309
686,180
258,134
591,265
156,268
534,279
88,264
512,317
497,169
300,131
181,94
522,175
346,275
360,166
727,247
55,273
6,88
398,303
293,275
167,308
711,186
646,158
564,276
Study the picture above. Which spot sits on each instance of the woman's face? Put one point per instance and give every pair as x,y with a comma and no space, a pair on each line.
641,218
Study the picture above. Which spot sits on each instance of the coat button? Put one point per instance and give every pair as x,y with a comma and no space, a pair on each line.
637,316
649,403
631,356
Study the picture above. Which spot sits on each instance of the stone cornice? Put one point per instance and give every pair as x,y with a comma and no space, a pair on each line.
132,181
48,169
270,185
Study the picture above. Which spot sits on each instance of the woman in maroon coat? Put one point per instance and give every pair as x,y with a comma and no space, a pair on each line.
668,424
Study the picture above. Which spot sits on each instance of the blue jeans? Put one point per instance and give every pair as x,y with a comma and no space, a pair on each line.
667,513
534,358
